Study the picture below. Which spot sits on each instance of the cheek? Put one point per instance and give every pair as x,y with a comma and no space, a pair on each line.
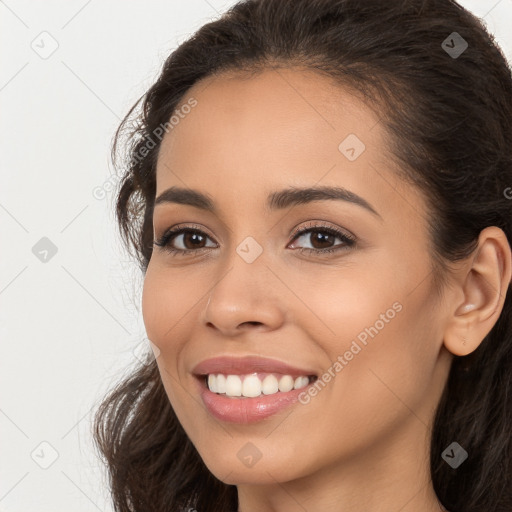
167,304
381,345
153,306
389,361
164,312
346,305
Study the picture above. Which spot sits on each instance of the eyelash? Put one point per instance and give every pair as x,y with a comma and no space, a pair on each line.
348,241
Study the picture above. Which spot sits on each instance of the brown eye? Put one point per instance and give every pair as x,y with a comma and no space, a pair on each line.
187,239
322,239
192,240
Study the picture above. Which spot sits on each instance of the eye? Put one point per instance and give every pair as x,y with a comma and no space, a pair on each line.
190,239
321,237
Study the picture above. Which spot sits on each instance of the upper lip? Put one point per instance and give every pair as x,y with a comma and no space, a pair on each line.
230,365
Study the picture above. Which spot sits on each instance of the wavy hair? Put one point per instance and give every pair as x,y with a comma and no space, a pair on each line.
448,119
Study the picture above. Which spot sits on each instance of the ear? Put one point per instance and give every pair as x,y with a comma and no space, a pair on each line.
483,283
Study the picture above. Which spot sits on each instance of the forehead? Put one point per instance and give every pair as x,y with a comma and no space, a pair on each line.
289,103
248,135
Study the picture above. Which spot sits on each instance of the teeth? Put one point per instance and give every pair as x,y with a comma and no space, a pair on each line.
212,383
270,385
233,385
252,386
301,382
286,383
221,383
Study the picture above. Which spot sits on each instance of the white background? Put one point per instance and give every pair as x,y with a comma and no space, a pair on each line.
71,327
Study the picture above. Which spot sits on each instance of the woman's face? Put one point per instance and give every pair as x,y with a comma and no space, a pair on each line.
364,313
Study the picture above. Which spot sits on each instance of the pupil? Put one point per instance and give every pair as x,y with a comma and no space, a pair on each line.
196,238
321,238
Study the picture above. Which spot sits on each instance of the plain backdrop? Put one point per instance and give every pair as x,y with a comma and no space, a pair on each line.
70,318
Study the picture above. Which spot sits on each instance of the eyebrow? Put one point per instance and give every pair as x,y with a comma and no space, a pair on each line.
275,201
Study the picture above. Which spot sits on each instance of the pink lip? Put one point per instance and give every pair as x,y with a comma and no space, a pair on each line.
247,410
241,409
249,364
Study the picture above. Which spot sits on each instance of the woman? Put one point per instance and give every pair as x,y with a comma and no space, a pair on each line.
318,193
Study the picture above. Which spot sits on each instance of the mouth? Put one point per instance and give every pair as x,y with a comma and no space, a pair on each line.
250,398
251,388
254,385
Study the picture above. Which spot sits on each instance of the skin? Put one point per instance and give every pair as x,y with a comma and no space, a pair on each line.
362,442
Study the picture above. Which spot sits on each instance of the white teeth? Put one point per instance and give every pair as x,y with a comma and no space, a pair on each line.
285,383
301,382
270,385
221,383
251,386
212,383
233,385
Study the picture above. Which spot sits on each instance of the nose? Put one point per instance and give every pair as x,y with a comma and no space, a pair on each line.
245,298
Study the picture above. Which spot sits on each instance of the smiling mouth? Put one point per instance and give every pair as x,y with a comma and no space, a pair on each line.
254,385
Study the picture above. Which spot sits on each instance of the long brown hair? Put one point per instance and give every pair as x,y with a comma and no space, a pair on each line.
447,110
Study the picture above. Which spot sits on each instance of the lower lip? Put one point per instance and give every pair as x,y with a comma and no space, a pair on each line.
248,410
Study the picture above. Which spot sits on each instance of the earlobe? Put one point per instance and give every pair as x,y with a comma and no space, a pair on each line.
483,284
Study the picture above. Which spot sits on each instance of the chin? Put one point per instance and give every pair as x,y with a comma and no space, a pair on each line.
233,471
